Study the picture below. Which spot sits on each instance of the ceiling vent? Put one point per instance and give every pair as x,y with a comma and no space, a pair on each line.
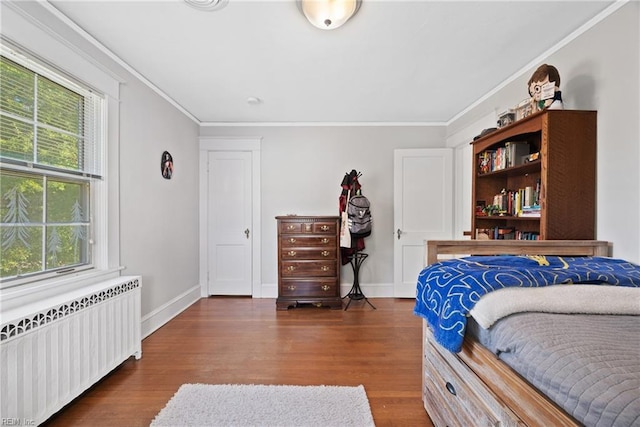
207,4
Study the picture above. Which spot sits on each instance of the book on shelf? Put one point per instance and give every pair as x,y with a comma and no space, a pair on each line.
516,202
505,233
528,196
527,235
492,160
530,211
515,152
500,159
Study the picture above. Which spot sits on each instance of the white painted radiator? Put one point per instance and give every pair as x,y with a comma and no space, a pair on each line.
65,344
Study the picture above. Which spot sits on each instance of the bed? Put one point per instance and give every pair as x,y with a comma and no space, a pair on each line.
496,368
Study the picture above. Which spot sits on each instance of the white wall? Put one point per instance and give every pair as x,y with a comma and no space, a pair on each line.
599,70
302,168
157,218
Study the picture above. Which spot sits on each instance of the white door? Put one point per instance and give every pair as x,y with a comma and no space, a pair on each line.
422,210
229,223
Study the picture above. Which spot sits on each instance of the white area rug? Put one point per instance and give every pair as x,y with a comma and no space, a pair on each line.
266,405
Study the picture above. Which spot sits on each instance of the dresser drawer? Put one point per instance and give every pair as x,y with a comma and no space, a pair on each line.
306,253
293,227
455,394
325,227
309,268
298,241
309,288
297,227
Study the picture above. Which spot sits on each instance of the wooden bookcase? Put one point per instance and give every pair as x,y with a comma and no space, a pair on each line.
565,173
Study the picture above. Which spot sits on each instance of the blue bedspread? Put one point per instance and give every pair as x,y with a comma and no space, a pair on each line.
448,290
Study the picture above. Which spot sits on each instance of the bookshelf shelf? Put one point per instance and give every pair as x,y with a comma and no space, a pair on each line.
513,170
562,181
510,218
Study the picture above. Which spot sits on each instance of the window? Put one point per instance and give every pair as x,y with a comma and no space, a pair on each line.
50,162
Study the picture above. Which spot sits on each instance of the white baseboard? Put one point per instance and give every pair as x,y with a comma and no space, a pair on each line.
370,290
158,317
269,290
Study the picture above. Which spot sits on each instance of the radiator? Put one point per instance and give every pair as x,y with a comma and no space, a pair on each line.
55,352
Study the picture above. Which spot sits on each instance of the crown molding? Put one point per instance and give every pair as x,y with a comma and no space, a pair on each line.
322,124
102,48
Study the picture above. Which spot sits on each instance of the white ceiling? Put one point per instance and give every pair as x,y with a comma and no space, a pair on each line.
394,62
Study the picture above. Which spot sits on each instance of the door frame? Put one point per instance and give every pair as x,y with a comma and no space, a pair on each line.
215,143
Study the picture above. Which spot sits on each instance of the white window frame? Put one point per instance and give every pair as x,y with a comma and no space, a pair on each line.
95,197
104,193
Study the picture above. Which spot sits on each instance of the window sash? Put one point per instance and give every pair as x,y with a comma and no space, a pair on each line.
46,223
41,122
55,127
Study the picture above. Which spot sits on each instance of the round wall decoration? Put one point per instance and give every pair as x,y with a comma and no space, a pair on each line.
166,165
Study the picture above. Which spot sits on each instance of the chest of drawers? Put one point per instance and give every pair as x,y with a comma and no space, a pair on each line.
308,261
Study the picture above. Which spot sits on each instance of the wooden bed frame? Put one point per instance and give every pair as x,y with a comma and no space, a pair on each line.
474,385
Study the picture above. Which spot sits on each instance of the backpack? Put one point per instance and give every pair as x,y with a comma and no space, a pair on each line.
359,214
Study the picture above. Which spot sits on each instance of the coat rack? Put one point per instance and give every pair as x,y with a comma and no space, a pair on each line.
354,254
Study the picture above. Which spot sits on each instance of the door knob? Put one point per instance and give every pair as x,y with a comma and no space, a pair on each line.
246,233
399,233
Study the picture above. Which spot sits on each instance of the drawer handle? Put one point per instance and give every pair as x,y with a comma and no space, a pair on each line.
325,268
324,228
324,253
292,253
291,288
326,287
324,240
291,227
450,388
291,268
292,240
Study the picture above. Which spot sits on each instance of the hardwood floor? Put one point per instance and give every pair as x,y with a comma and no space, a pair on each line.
222,340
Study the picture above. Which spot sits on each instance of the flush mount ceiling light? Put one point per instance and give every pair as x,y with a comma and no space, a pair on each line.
207,4
328,14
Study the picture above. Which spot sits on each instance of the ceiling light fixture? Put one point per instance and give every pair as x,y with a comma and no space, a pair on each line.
207,4
328,14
